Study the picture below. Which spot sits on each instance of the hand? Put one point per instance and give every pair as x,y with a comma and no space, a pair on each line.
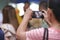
28,14
48,16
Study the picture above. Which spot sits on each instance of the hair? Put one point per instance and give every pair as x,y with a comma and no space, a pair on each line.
27,4
44,4
55,6
7,13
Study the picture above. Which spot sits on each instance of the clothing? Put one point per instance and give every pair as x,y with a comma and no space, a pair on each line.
44,24
37,34
19,18
1,35
9,31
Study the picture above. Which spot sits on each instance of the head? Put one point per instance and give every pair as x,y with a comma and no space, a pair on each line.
54,5
27,4
8,12
43,5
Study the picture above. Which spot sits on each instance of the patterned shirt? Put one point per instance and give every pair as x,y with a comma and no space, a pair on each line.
37,34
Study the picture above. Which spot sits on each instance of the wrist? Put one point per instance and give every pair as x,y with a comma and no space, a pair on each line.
25,19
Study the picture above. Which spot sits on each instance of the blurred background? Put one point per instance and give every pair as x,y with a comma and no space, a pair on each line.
12,13
18,5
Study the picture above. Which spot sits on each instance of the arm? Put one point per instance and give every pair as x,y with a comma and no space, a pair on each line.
21,31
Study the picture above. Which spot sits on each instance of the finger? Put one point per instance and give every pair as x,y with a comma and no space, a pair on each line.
45,12
28,9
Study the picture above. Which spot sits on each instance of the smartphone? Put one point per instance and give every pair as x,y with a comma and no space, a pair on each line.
37,9
38,14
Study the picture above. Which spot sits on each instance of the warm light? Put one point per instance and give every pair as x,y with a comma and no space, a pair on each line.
20,7
34,6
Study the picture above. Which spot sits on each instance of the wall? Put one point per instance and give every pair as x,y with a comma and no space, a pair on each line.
2,3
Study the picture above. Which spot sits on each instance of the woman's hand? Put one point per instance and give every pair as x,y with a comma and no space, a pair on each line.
28,14
48,16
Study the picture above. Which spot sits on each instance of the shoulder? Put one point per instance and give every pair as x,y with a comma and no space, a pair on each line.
38,30
35,33
8,27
